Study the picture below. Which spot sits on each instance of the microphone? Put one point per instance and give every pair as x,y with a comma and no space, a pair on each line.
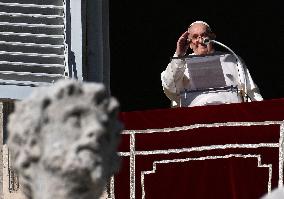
206,41
240,67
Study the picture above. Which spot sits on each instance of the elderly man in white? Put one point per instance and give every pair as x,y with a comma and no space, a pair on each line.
176,79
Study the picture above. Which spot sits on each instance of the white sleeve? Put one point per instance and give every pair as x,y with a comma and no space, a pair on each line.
252,89
172,79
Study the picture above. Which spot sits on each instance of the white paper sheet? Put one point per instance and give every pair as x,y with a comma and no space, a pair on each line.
205,72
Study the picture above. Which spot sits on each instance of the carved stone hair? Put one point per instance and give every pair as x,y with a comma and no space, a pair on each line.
54,114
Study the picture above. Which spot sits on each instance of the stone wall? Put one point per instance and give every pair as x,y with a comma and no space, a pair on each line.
1,155
10,187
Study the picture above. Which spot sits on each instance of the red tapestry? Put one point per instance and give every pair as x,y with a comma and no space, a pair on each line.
222,151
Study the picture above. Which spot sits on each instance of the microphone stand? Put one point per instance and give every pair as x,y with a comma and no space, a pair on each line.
240,67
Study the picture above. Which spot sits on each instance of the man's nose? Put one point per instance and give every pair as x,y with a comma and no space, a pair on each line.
200,39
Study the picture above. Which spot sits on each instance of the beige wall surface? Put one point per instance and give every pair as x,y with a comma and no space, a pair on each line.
11,189
1,155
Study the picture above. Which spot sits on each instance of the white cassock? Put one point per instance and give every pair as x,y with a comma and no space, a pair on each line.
178,86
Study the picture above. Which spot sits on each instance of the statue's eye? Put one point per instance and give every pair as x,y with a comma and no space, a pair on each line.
74,117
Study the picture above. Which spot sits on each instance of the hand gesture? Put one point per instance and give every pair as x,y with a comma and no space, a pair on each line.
182,44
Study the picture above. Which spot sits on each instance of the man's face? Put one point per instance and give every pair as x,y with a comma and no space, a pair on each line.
72,139
197,32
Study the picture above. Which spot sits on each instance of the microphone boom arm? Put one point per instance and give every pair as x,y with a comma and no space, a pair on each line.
240,67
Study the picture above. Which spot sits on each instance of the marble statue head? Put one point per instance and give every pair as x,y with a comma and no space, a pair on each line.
63,140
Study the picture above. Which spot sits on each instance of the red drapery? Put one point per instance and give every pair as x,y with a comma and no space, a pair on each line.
223,151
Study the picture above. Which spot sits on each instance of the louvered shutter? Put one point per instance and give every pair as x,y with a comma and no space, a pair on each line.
32,45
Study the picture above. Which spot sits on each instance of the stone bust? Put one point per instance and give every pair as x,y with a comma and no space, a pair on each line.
63,140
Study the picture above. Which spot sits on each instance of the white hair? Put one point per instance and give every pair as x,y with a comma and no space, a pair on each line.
200,22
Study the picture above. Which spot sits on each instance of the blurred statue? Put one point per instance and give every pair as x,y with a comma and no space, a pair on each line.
276,193
63,141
